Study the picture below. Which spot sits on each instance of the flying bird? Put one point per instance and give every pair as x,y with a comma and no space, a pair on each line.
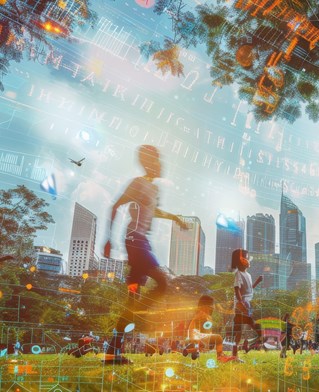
78,163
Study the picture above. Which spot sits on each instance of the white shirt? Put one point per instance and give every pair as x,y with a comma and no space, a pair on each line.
244,282
144,201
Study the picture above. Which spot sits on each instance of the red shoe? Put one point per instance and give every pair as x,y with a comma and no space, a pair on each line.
112,359
224,358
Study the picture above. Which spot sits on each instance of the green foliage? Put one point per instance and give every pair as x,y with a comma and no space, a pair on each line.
312,109
147,49
22,214
168,59
21,30
225,29
307,90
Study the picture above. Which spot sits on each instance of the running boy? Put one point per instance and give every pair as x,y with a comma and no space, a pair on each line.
201,328
142,197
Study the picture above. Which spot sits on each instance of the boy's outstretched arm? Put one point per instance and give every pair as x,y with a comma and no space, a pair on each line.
167,215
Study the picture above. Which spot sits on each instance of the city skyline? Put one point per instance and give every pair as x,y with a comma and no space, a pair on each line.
67,104
232,238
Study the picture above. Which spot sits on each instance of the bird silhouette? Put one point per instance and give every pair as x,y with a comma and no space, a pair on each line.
78,163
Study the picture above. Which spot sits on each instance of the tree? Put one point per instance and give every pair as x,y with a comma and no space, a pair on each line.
312,109
167,59
259,45
22,214
25,24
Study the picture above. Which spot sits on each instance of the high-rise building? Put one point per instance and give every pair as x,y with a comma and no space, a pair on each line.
317,260
112,268
292,231
82,243
226,242
261,234
293,246
48,260
187,248
266,265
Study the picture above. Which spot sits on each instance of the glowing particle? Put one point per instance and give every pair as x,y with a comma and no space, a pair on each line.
207,325
169,372
211,364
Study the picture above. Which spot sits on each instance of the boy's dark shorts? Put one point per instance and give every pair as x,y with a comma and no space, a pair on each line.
140,258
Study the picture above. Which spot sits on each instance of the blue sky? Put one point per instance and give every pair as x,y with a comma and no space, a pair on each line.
98,98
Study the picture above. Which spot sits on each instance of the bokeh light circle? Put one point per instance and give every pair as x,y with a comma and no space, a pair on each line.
169,372
211,364
207,325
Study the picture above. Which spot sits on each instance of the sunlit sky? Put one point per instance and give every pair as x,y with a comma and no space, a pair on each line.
98,98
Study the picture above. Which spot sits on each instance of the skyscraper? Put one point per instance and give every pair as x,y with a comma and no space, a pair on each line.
226,242
82,243
293,247
113,268
317,261
187,248
292,232
261,233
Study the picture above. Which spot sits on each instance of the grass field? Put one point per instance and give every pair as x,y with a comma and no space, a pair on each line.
261,371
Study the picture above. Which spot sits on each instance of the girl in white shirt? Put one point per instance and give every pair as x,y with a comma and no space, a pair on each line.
243,288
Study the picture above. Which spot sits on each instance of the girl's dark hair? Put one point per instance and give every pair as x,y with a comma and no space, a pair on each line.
206,300
237,255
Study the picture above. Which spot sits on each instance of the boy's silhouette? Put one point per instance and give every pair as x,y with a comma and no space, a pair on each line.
142,197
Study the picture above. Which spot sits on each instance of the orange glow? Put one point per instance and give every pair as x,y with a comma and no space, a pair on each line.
289,367
29,286
133,288
47,26
306,369
66,290
51,27
62,4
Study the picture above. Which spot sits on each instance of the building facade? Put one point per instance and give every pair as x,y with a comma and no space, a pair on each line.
317,261
112,268
48,260
278,274
226,242
292,223
261,234
82,242
187,248
293,245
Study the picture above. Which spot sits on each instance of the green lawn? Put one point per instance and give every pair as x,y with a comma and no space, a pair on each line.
261,371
